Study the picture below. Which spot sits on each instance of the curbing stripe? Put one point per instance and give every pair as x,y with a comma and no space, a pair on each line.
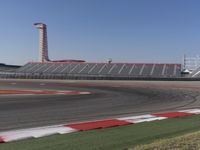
98,124
142,118
34,133
193,111
173,114
2,140
69,128
42,92
83,93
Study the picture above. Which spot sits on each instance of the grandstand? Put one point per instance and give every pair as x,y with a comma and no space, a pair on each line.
8,68
195,73
102,69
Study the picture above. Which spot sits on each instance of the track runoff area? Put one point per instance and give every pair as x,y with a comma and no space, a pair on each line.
37,108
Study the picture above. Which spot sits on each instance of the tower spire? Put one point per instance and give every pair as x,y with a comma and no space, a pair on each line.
43,44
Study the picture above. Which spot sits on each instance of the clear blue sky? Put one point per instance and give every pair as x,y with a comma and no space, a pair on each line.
95,30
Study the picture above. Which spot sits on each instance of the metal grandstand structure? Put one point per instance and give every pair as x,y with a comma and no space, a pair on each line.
191,63
103,69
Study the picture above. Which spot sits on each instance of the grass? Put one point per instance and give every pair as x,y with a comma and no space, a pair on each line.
118,138
186,142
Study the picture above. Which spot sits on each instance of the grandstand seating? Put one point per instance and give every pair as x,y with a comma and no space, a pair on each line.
195,73
103,69
8,68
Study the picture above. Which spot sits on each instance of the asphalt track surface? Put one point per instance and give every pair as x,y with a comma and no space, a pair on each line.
109,99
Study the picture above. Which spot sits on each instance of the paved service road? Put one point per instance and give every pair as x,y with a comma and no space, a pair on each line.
109,99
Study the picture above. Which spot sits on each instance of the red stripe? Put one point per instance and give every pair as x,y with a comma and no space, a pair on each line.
173,114
72,93
2,140
98,124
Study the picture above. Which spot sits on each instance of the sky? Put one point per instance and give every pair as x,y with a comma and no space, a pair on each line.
137,31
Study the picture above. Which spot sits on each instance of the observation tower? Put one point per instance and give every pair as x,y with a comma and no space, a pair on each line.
43,44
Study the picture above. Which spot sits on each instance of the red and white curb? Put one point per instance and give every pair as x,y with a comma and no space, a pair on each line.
15,135
41,92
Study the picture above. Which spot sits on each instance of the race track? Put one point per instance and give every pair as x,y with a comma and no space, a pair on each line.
108,99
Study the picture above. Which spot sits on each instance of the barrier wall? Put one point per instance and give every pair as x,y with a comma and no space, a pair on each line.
78,77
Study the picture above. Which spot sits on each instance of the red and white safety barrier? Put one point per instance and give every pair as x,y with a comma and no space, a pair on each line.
15,135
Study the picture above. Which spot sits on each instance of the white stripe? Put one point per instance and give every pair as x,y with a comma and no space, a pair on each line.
193,111
50,131
84,92
142,118
71,92
35,132
136,117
